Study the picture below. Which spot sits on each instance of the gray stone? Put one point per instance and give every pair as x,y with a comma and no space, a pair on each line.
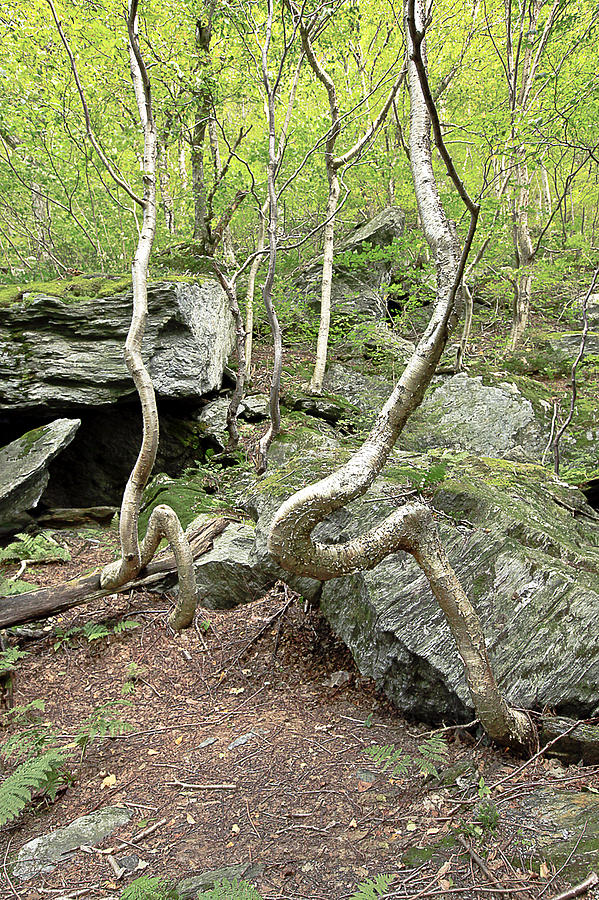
213,416
188,888
462,413
568,343
59,354
42,854
358,289
378,232
367,393
564,829
527,555
24,467
593,312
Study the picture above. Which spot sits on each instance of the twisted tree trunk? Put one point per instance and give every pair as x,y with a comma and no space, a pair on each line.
410,528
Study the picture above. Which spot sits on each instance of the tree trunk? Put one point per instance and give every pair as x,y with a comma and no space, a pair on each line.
168,204
326,286
409,528
525,257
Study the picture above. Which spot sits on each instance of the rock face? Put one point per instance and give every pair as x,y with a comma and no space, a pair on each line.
527,553
60,354
358,288
462,413
43,853
524,545
24,468
378,232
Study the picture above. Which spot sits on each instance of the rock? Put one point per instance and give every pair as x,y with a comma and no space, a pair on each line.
188,888
62,353
24,468
527,555
463,413
529,562
564,829
367,393
213,417
42,854
380,231
593,312
568,343
358,286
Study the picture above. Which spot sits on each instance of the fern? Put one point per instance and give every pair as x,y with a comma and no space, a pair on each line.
432,752
374,888
10,587
41,774
34,548
388,758
148,888
9,659
230,890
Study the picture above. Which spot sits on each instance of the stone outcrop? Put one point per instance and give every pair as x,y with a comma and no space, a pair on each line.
525,546
62,352
24,469
358,288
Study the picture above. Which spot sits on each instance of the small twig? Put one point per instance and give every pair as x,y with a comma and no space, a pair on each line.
579,889
537,754
478,860
551,433
203,787
5,870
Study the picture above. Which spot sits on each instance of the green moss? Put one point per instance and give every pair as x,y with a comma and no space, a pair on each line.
83,286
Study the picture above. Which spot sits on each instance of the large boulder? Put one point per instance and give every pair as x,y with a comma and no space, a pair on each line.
459,412
360,278
524,545
24,469
65,352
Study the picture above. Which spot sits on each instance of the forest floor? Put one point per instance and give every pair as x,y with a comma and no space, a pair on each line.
246,747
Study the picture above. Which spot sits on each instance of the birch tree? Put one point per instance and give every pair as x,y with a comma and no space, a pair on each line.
310,28
410,528
163,522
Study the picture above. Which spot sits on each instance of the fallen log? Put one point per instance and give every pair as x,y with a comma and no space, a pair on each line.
33,605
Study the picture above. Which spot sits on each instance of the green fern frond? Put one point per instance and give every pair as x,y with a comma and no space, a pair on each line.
126,625
9,659
230,890
10,587
389,759
42,774
374,888
34,548
148,888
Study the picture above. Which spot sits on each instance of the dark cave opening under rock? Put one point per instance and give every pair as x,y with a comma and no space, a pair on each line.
93,470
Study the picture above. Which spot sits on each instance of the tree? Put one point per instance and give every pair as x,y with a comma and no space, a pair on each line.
311,28
410,528
163,522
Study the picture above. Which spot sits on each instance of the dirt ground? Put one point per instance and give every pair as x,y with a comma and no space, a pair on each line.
247,747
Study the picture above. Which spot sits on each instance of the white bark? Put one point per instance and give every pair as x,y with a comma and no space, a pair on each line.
409,528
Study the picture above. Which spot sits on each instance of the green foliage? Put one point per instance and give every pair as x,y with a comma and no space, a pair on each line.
91,631
38,775
102,723
41,547
373,889
423,480
230,890
431,753
148,888
9,659
11,587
